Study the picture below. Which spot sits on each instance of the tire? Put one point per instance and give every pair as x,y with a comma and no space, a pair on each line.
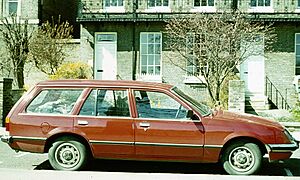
242,158
67,154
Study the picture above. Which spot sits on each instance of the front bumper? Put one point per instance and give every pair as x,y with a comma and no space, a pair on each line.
284,147
6,139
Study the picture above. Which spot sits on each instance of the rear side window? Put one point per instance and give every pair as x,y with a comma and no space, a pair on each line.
104,102
54,101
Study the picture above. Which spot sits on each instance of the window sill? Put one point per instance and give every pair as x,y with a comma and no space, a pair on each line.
158,9
261,10
204,9
114,9
194,80
149,78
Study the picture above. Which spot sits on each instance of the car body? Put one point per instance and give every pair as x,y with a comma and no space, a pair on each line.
74,119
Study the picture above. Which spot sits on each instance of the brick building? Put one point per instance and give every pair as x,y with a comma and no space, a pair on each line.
124,39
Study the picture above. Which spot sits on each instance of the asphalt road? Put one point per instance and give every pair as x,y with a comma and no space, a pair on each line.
9,159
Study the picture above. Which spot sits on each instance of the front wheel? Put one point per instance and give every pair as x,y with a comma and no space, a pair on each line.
242,158
67,154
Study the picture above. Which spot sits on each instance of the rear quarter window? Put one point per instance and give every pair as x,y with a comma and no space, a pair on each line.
54,101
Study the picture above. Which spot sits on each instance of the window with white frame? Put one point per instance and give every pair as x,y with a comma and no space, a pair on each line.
204,3
195,50
158,3
261,6
204,6
150,53
297,53
114,5
260,3
12,7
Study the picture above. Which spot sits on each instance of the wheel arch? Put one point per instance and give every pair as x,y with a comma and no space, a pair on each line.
53,138
246,139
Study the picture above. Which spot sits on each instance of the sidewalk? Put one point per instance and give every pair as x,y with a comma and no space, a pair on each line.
2,131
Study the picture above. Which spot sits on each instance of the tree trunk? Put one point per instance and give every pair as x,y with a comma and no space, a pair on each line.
20,75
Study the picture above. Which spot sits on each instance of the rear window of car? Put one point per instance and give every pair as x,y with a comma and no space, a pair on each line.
54,101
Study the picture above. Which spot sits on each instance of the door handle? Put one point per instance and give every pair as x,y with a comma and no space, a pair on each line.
144,124
83,123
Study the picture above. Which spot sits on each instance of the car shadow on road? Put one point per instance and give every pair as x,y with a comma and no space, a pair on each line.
269,169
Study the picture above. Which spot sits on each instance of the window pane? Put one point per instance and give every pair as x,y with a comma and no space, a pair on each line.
158,105
144,60
89,106
107,3
297,60
157,59
298,38
144,49
151,49
144,69
13,7
157,48
297,70
166,2
158,2
253,3
151,60
157,70
54,101
150,69
151,3
112,103
120,3
157,38
196,2
260,3
151,38
211,2
298,3
143,38
267,2
203,2
297,49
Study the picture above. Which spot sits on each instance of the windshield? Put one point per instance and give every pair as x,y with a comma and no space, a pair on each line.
203,109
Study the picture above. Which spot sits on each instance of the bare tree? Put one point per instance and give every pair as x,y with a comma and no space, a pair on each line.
16,35
47,46
213,45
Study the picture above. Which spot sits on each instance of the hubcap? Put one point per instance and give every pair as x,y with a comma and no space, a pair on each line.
67,155
241,159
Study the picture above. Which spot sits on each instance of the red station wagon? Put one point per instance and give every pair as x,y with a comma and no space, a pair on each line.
72,120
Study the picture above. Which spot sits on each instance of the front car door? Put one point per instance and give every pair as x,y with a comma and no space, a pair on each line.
162,131
104,119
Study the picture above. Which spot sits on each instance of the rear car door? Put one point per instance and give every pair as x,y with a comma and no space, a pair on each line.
162,130
104,119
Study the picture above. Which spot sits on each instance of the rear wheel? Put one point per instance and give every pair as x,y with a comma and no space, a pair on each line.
242,158
68,154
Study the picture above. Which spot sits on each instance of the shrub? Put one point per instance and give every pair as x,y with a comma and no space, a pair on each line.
73,70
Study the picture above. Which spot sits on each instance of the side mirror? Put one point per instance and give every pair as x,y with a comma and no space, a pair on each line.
189,114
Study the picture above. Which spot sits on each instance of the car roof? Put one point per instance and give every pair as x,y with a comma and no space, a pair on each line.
103,83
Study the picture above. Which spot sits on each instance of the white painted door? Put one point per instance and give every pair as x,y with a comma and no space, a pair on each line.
253,73
105,66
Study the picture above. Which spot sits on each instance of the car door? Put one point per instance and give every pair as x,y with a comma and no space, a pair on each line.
104,119
162,130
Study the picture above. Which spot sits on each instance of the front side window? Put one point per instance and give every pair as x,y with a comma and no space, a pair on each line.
54,101
158,3
260,3
113,3
12,7
150,47
204,3
297,53
104,102
158,105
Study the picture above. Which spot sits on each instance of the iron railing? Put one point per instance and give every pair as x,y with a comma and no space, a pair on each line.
275,96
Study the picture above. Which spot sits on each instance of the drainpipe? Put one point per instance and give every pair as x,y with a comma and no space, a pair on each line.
134,53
